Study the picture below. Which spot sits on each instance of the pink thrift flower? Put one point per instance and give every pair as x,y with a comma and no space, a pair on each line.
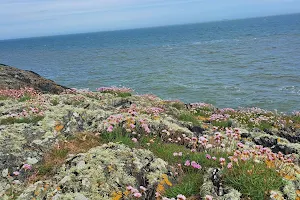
222,161
132,125
129,188
214,158
244,159
187,163
240,145
208,197
157,194
229,165
134,140
143,188
110,128
175,154
27,167
181,197
180,154
208,156
137,195
16,173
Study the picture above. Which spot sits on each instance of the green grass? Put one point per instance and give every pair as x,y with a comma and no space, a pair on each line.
165,151
60,153
118,135
253,180
189,117
2,98
24,98
45,169
12,120
224,124
119,94
178,105
188,185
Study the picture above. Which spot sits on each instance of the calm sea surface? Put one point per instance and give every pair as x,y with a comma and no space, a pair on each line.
251,62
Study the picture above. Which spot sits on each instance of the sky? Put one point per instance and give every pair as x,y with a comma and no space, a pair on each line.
31,18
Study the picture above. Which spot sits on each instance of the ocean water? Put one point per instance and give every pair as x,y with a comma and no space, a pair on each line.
239,63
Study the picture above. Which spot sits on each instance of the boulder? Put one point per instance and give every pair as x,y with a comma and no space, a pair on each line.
13,78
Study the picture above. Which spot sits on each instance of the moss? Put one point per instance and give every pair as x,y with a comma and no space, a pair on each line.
12,120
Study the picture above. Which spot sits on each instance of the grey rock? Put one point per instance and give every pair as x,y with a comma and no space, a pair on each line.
80,197
13,78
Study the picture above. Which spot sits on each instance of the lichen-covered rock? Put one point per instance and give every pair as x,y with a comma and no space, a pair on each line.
100,172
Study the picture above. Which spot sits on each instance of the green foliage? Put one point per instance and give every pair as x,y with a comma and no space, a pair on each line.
188,185
45,169
165,151
123,94
178,105
189,117
12,120
2,98
60,153
253,180
224,124
118,135
54,101
119,94
24,98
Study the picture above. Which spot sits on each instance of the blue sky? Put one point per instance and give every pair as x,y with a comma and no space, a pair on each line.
30,18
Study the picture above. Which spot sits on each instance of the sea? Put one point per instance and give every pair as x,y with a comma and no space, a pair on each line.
231,63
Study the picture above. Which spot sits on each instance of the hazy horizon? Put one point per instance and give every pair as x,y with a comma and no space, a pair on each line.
125,29
34,18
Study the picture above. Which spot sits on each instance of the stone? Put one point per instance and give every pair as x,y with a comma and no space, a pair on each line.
14,78
32,161
4,173
79,196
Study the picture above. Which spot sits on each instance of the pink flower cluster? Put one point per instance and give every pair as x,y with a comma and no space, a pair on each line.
219,117
135,192
144,125
16,94
31,111
154,110
193,164
226,110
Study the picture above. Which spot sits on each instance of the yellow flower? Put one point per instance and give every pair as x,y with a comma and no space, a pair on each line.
116,195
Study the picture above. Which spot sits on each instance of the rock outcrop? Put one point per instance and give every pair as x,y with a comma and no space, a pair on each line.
13,78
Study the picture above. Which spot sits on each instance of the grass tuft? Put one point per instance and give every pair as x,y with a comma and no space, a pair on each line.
189,117
188,185
12,120
254,180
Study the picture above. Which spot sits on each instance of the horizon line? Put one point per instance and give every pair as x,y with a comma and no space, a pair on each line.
147,27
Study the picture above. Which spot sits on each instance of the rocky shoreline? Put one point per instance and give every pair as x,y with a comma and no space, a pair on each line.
78,144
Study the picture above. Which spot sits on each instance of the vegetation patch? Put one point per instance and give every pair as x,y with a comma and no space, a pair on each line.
253,180
12,120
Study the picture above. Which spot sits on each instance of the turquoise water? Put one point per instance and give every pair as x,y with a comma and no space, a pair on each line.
250,62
